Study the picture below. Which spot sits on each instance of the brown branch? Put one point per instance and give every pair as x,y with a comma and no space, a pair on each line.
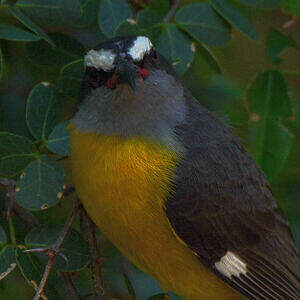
172,11
53,252
71,292
89,228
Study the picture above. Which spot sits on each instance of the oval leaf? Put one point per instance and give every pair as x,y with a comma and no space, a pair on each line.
43,110
74,248
235,18
266,4
203,24
59,140
70,79
268,96
67,50
7,261
128,28
32,270
29,24
111,14
51,13
175,47
276,43
147,18
13,33
16,152
271,145
41,185
89,9
3,238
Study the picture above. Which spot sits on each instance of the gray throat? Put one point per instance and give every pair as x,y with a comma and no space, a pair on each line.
151,112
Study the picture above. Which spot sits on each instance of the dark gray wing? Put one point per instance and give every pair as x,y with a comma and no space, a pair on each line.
223,209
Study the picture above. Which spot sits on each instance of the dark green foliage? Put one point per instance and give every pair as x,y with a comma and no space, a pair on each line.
203,24
13,33
42,44
75,252
16,152
276,43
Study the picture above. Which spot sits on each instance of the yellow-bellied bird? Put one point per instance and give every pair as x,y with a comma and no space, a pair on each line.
171,187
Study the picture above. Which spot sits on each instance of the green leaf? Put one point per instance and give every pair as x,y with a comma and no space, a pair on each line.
1,63
292,7
111,14
41,184
32,270
43,110
16,152
51,13
17,13
235,18
127,28
203,24
89,10
209,57
276,43
67,50
161,7
13,33
74,248
176,48
7,261
129,287
269,101
272,144
59,140
268,96
266,4
147,18
70,78
3,238
161,296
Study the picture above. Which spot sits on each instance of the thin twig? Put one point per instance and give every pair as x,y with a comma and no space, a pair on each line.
53,252
26,216
71,292
90,230
290,23
172,11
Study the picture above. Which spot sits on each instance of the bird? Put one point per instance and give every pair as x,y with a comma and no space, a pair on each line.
171,186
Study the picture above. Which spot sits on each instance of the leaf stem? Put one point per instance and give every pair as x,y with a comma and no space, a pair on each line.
172,11
55,249
12,232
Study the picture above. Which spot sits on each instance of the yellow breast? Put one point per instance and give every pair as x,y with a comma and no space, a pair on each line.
123,184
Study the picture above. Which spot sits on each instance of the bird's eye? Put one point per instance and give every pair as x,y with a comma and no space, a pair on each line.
153,53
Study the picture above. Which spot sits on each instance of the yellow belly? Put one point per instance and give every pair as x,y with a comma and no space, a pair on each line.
122,184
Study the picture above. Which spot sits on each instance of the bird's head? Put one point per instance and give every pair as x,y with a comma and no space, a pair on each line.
128,90
120,60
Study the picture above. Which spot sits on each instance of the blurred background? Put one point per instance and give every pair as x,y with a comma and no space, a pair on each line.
220,79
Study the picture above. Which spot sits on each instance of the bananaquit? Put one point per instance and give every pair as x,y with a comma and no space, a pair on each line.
171,187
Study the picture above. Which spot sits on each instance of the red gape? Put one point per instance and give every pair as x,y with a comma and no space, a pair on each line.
144,72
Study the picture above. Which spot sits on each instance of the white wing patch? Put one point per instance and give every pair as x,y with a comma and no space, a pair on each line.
100,59
230,264
140,47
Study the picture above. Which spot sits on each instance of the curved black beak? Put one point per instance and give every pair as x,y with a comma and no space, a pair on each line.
126,71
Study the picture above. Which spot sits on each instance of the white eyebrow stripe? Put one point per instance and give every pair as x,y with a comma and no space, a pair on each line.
140,47
100,59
